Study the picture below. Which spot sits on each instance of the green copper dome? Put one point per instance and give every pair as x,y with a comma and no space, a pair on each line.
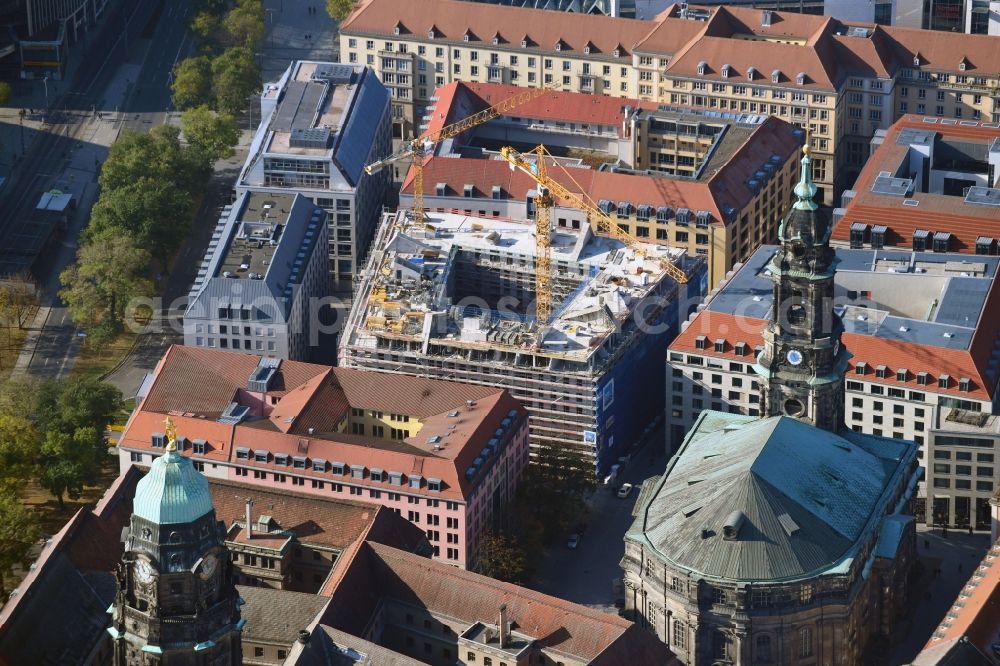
172,492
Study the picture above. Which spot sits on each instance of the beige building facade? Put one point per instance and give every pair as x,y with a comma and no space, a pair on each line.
842,81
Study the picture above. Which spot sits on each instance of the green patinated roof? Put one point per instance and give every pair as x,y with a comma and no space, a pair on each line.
779,473
172,492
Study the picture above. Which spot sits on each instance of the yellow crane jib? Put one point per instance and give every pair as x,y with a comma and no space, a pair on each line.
603,223
417,150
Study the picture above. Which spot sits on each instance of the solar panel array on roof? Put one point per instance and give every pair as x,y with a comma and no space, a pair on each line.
983,196
896,187
962,301
370,105
298,106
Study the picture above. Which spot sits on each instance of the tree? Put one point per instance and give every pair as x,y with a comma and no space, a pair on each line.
69,462
498,556
552,494
157,155
192,82
18,451
155,215
245,23
108,272
204,25
18,296
340,9
19,530
212,134
235,76
4,93
77,403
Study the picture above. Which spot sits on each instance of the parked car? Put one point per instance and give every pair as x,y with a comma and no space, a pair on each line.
625,490
574,541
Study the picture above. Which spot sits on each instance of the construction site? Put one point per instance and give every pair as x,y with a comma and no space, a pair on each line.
456,298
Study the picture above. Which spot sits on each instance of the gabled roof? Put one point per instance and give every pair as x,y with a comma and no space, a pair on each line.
808,499
454,19
374,573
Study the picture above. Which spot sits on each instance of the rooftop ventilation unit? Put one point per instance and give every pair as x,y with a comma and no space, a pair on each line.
312,137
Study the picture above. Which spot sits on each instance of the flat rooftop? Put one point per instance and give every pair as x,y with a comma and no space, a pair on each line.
413,296
251,250
311,108
926,298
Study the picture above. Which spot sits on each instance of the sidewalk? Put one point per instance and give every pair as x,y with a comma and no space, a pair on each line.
35,328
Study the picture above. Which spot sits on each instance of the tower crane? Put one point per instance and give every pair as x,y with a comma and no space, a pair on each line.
416,150
601,222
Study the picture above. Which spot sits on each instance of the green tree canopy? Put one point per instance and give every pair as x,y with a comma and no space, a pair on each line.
499,556
340,9
154,214
245,23
109,270
18,450
19,530
76,404
212,134
235,76
157,155
192,82
205,24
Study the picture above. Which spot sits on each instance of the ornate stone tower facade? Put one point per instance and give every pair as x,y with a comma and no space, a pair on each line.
803,362
176,604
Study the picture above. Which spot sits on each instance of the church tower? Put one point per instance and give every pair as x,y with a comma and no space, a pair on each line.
803,363
176,603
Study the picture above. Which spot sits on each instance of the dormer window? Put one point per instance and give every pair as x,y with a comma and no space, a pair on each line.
617,53
776,76
415,480
465,37
198,446
377,474
281,459
434,485
964,384
432,33
260,456
962,66
923,378
586,49
800,78
916,60
158,440
701,342
861,368
319,465
702,68
726,70
751,73
524,43
299,462
902,374
944,381
242,453
720,345
559,45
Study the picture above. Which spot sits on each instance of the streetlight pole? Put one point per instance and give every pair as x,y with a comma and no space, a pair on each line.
45,80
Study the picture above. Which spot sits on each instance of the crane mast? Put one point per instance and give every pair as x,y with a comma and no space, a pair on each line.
416,150
602,224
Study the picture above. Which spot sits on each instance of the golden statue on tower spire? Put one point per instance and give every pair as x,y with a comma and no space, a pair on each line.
171,433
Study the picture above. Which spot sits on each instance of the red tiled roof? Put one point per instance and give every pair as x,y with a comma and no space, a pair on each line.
375,572
332,522
305,425
872,350
978,614
727,187
935,212
453,19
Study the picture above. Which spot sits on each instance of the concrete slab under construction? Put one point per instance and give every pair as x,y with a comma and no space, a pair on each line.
454,299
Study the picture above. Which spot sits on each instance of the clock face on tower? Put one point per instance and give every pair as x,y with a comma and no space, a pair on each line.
794,356
144,571
208,565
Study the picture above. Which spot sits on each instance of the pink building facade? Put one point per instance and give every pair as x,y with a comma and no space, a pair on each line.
446,456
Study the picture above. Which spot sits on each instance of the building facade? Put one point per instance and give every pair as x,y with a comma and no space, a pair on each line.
446,456
321,123
176,602
455,300
709,183
261,287
842,81
783,538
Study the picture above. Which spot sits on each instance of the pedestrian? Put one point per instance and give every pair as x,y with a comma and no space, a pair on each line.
970,530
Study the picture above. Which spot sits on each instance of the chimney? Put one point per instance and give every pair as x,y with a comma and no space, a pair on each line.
504,627
304,637
312,430
249,518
